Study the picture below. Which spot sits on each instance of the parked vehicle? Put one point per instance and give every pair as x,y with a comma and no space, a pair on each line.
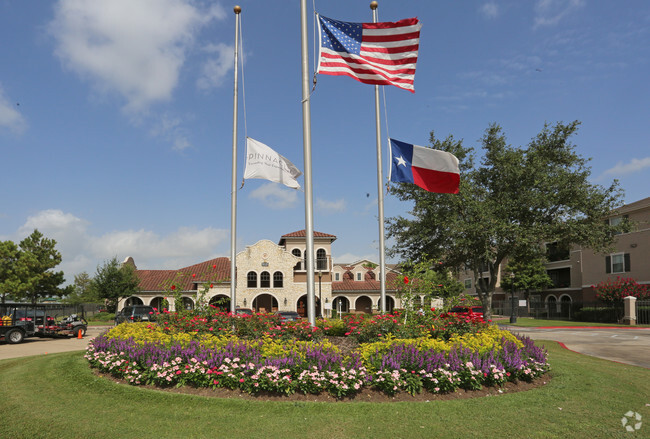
136,313
19,321
288,316
243,312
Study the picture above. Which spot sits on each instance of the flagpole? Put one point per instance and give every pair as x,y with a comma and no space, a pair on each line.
306,139
380,189
233,193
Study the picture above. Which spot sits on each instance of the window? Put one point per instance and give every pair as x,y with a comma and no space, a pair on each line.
337,276
561,277
252,279
358,276
468,284
296,252
277,279
617,263
617,222
556,251
321,259
265,280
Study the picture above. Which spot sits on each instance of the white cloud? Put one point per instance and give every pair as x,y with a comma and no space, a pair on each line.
275,196
83,251
134,48
10,117
216,68
330,206
551,12
634,165
171,129
489,10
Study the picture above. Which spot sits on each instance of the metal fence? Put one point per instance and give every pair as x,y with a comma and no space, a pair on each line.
562,310
643,312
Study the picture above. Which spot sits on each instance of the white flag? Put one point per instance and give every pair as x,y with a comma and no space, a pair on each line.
262,162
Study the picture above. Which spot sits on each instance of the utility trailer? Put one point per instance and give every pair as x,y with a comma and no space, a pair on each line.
19,321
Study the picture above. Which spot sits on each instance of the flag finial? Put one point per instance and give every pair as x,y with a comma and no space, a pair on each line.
373,5
237,9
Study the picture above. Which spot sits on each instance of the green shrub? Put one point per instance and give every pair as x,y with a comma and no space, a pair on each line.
598,315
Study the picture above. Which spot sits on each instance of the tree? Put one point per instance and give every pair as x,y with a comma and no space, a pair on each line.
82,291
424,280
114,281
33,270
9,279
527,275
516,199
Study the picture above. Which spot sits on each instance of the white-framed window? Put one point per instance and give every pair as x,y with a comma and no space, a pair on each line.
337,277
617,263
358,276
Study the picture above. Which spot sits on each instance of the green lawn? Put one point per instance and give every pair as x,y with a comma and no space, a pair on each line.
57,396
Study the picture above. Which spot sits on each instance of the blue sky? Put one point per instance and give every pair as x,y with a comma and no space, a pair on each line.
116,117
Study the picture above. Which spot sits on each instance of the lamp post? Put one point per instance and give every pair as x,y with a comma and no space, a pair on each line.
513,315
320,294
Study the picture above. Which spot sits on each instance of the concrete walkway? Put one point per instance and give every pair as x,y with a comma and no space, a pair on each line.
43,346
623,345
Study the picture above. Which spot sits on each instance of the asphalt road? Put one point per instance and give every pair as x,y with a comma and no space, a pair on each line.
624,345
43,346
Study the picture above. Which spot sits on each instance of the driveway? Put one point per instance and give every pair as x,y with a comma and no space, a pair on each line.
624,345
43,346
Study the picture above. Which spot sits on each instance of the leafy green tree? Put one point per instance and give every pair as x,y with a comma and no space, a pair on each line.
516,199
527,275
9,275
424,280
82,291
114,281
34,275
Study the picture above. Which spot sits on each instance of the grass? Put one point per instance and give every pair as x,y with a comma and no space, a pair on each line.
532,322
57,396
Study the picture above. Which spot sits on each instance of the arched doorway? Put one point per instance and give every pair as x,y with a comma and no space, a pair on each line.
221,301
363,304
390,304
265,303
188,304
565,307
341,305
157,302
133,301
301,308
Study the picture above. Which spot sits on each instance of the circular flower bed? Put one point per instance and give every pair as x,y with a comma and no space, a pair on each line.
260,354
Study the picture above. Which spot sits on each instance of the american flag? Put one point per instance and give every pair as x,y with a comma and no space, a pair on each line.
372,53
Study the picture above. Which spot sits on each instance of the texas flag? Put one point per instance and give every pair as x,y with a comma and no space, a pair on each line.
431,169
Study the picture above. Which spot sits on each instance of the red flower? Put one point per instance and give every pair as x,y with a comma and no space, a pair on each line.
214,266
173,287
193,275
406,280
211,285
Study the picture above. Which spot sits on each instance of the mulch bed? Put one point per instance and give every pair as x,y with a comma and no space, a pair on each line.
346,345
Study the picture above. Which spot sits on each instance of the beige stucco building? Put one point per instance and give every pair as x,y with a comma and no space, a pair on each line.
272,277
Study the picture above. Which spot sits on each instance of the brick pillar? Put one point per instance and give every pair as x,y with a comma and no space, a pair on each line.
629,303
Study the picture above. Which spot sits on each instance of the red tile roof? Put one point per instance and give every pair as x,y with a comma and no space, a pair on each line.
303,234
214,270
368,284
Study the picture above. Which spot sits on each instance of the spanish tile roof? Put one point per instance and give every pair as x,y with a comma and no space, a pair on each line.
303,234
214,270
366,285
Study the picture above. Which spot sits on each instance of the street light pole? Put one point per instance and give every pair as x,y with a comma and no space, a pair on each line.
513,315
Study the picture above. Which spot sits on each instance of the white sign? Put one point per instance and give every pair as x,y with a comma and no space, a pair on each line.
328,305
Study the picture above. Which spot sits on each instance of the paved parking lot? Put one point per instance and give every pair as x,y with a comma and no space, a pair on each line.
624,345
44,346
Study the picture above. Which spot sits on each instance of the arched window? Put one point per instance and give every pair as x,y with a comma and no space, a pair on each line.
252,279
278,279
265,280
296,252
321,259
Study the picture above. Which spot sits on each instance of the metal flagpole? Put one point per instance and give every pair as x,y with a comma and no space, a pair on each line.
306,139
233,194
380,189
